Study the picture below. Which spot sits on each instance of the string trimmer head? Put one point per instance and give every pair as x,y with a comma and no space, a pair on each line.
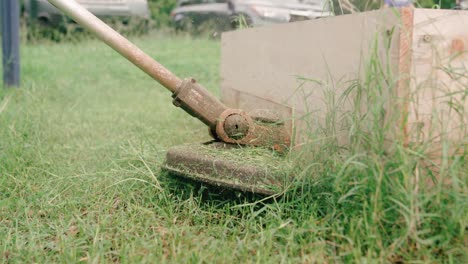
233,129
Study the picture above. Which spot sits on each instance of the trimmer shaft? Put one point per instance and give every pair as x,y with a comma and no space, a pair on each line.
228,125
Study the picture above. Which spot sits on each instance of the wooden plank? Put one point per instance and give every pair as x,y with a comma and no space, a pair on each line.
424,50
438,105
272,63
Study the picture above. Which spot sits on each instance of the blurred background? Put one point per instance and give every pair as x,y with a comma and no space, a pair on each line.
195,17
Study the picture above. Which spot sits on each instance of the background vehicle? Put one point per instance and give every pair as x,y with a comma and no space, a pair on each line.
48,14
464,4
225,14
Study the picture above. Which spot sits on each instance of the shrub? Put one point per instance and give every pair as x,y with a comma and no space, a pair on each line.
161,11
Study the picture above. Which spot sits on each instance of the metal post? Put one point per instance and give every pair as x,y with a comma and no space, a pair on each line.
10,16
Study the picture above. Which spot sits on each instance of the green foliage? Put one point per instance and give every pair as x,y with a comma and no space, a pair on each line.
383,200
442,4
64,30
161,10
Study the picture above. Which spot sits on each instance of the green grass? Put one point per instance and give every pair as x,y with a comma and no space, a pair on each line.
81,145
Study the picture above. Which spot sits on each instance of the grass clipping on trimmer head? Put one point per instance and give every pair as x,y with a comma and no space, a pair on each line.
249,169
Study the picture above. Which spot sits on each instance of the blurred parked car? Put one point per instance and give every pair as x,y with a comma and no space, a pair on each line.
223,15
48,14
464,4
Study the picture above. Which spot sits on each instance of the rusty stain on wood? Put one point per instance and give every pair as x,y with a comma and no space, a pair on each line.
458,46
406,42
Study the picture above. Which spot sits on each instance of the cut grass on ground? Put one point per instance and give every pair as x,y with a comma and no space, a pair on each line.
81,145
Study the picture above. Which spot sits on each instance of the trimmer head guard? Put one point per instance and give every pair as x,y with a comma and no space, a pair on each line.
249,169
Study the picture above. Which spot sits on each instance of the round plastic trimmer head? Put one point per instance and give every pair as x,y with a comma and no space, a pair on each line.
248,169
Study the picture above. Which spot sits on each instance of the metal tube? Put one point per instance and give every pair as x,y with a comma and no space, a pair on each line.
118,43
10,42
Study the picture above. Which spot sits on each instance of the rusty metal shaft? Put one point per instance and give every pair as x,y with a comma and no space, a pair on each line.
229,125
118,43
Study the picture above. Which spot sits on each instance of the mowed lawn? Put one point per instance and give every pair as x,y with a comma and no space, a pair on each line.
81,144
80,147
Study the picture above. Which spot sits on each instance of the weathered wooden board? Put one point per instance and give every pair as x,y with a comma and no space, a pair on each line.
267,67
308,67
439,77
